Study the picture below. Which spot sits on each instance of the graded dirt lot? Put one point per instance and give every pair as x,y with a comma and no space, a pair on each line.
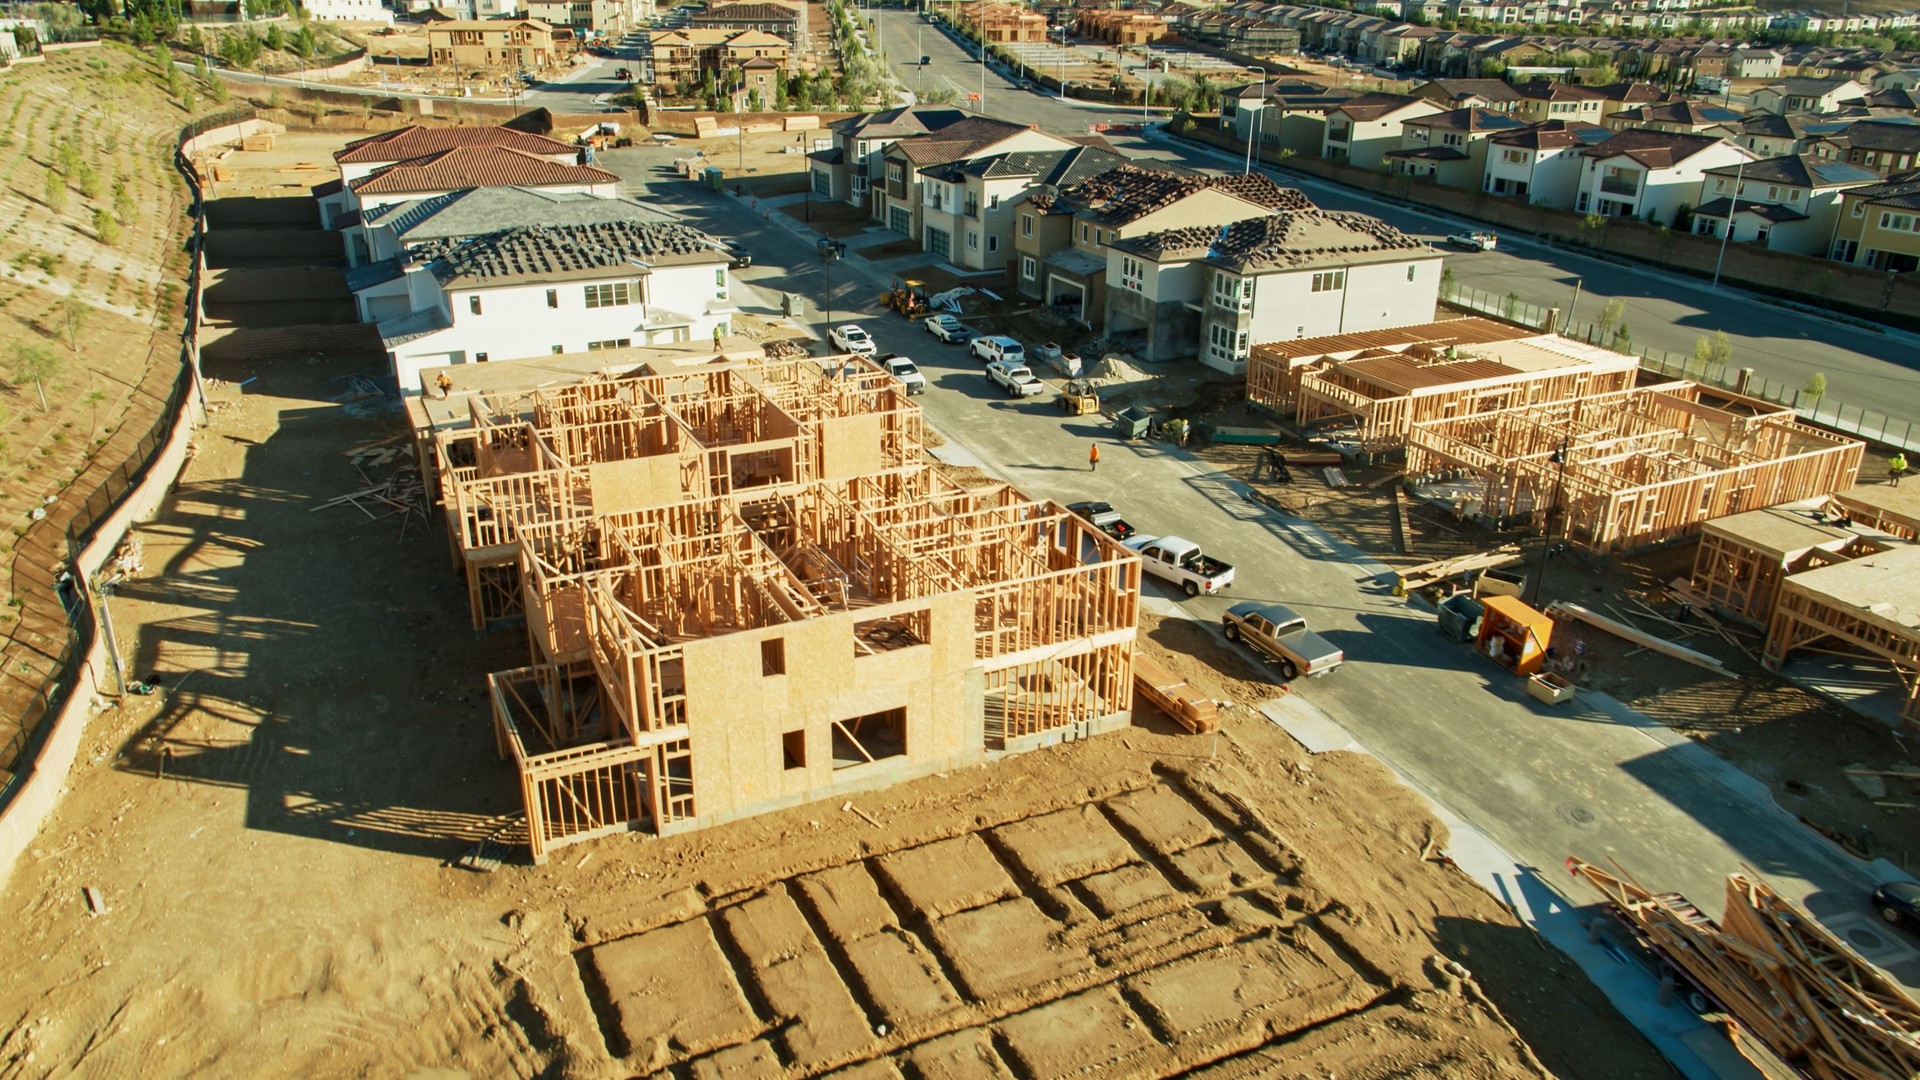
269,833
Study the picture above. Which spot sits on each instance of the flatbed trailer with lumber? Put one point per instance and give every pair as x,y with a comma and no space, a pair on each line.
1175,696
1798,997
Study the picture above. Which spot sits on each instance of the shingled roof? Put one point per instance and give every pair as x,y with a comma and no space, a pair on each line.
1131,192
1493,90
1470,120
1375,106
1691,113
475,166
407,143
956,141
908,120
535,253
1800,170
1901,190
1295,240
1555,135
1653,149
1054,168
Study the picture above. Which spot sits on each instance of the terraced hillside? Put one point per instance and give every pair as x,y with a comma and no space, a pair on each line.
93,272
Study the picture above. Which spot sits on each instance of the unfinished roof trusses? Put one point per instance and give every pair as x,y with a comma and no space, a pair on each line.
1635,467
604,446
1274,368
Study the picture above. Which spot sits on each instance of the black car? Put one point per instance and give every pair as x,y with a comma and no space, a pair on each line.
1898,903
737,256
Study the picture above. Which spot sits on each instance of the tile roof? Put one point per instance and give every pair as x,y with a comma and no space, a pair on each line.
1800,170
367,275
1720,207
404,144
905,121
1470,120
1901,190
1555,135
1801,87
478,211
1374,106
955,141
748,12
1131,192
1542,90
410,327
1292,240
535,253
1882,134
476,166
1692,113
1631,93
1054,168
1484,89
1654,149
1429,153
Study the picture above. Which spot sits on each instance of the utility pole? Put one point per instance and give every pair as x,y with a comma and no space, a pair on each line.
1567,323
1253,126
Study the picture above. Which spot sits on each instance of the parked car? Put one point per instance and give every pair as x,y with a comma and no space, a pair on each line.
1474,241
1898,903
737,255
624,75
1181,561
1016,379
1280,634
948,329
850,338
1102,516
997,348
902,368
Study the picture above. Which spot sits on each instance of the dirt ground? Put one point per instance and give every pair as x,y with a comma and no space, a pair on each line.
270,831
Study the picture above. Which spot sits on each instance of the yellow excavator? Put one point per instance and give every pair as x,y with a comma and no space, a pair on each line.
909,298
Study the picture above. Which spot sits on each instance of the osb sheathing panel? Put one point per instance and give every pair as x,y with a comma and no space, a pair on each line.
850,446
737,715
634,484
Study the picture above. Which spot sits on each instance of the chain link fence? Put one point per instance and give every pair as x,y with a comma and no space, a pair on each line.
1858,421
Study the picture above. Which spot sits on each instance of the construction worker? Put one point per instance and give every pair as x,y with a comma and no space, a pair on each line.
1093,458
1896,465
445,383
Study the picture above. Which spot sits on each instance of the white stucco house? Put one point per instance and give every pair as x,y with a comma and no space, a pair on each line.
426,154
1214,291
348,10
1781,204
1363,129
536,290
1650,174
385,231
1542,163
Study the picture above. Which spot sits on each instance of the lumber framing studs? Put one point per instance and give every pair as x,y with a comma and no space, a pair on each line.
743,589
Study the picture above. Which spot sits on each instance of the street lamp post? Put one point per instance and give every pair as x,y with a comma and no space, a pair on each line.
1253,127
829,254
1732,209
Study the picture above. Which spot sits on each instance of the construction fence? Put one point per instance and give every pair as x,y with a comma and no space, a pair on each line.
1855,420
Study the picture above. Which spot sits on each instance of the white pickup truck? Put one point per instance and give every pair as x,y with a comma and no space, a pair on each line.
902,368
1016,379
850,338
1181,561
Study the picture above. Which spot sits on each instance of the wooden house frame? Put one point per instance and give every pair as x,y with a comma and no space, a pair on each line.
1633,468
1275,368
793,606
1868,606
603,445
1743,558
1378,395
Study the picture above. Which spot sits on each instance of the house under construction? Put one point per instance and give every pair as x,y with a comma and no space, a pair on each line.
1627,469
743,589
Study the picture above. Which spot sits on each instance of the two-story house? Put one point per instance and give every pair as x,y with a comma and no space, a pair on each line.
899,203
852,168
1754,64
1288,115
533,290
1886,146
1650,174
1781,204
1216,290
1361,130
1450,148
1469,93
969,206
1061,239
781,18
1542,101
494,44
1541,163
1802,95
1879,225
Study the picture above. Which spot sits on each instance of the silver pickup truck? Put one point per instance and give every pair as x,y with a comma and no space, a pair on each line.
1281,635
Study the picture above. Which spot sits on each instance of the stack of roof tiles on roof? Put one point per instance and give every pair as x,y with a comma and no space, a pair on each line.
1294,240
475,166
529,253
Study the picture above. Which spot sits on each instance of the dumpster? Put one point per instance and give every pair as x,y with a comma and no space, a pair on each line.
1460,617
794,305
1132,423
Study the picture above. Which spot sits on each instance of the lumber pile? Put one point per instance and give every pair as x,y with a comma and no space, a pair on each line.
1802,992
1561,609
401,493
1419,577
1177,698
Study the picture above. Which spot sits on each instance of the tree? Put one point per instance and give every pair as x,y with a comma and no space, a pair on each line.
73,313
87,178
305,41
275,40
1611,314
1594,228
1447,282
1622,339
54,192
105,227
1816,386
35,363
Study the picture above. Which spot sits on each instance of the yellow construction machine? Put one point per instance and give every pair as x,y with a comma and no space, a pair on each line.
909,298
